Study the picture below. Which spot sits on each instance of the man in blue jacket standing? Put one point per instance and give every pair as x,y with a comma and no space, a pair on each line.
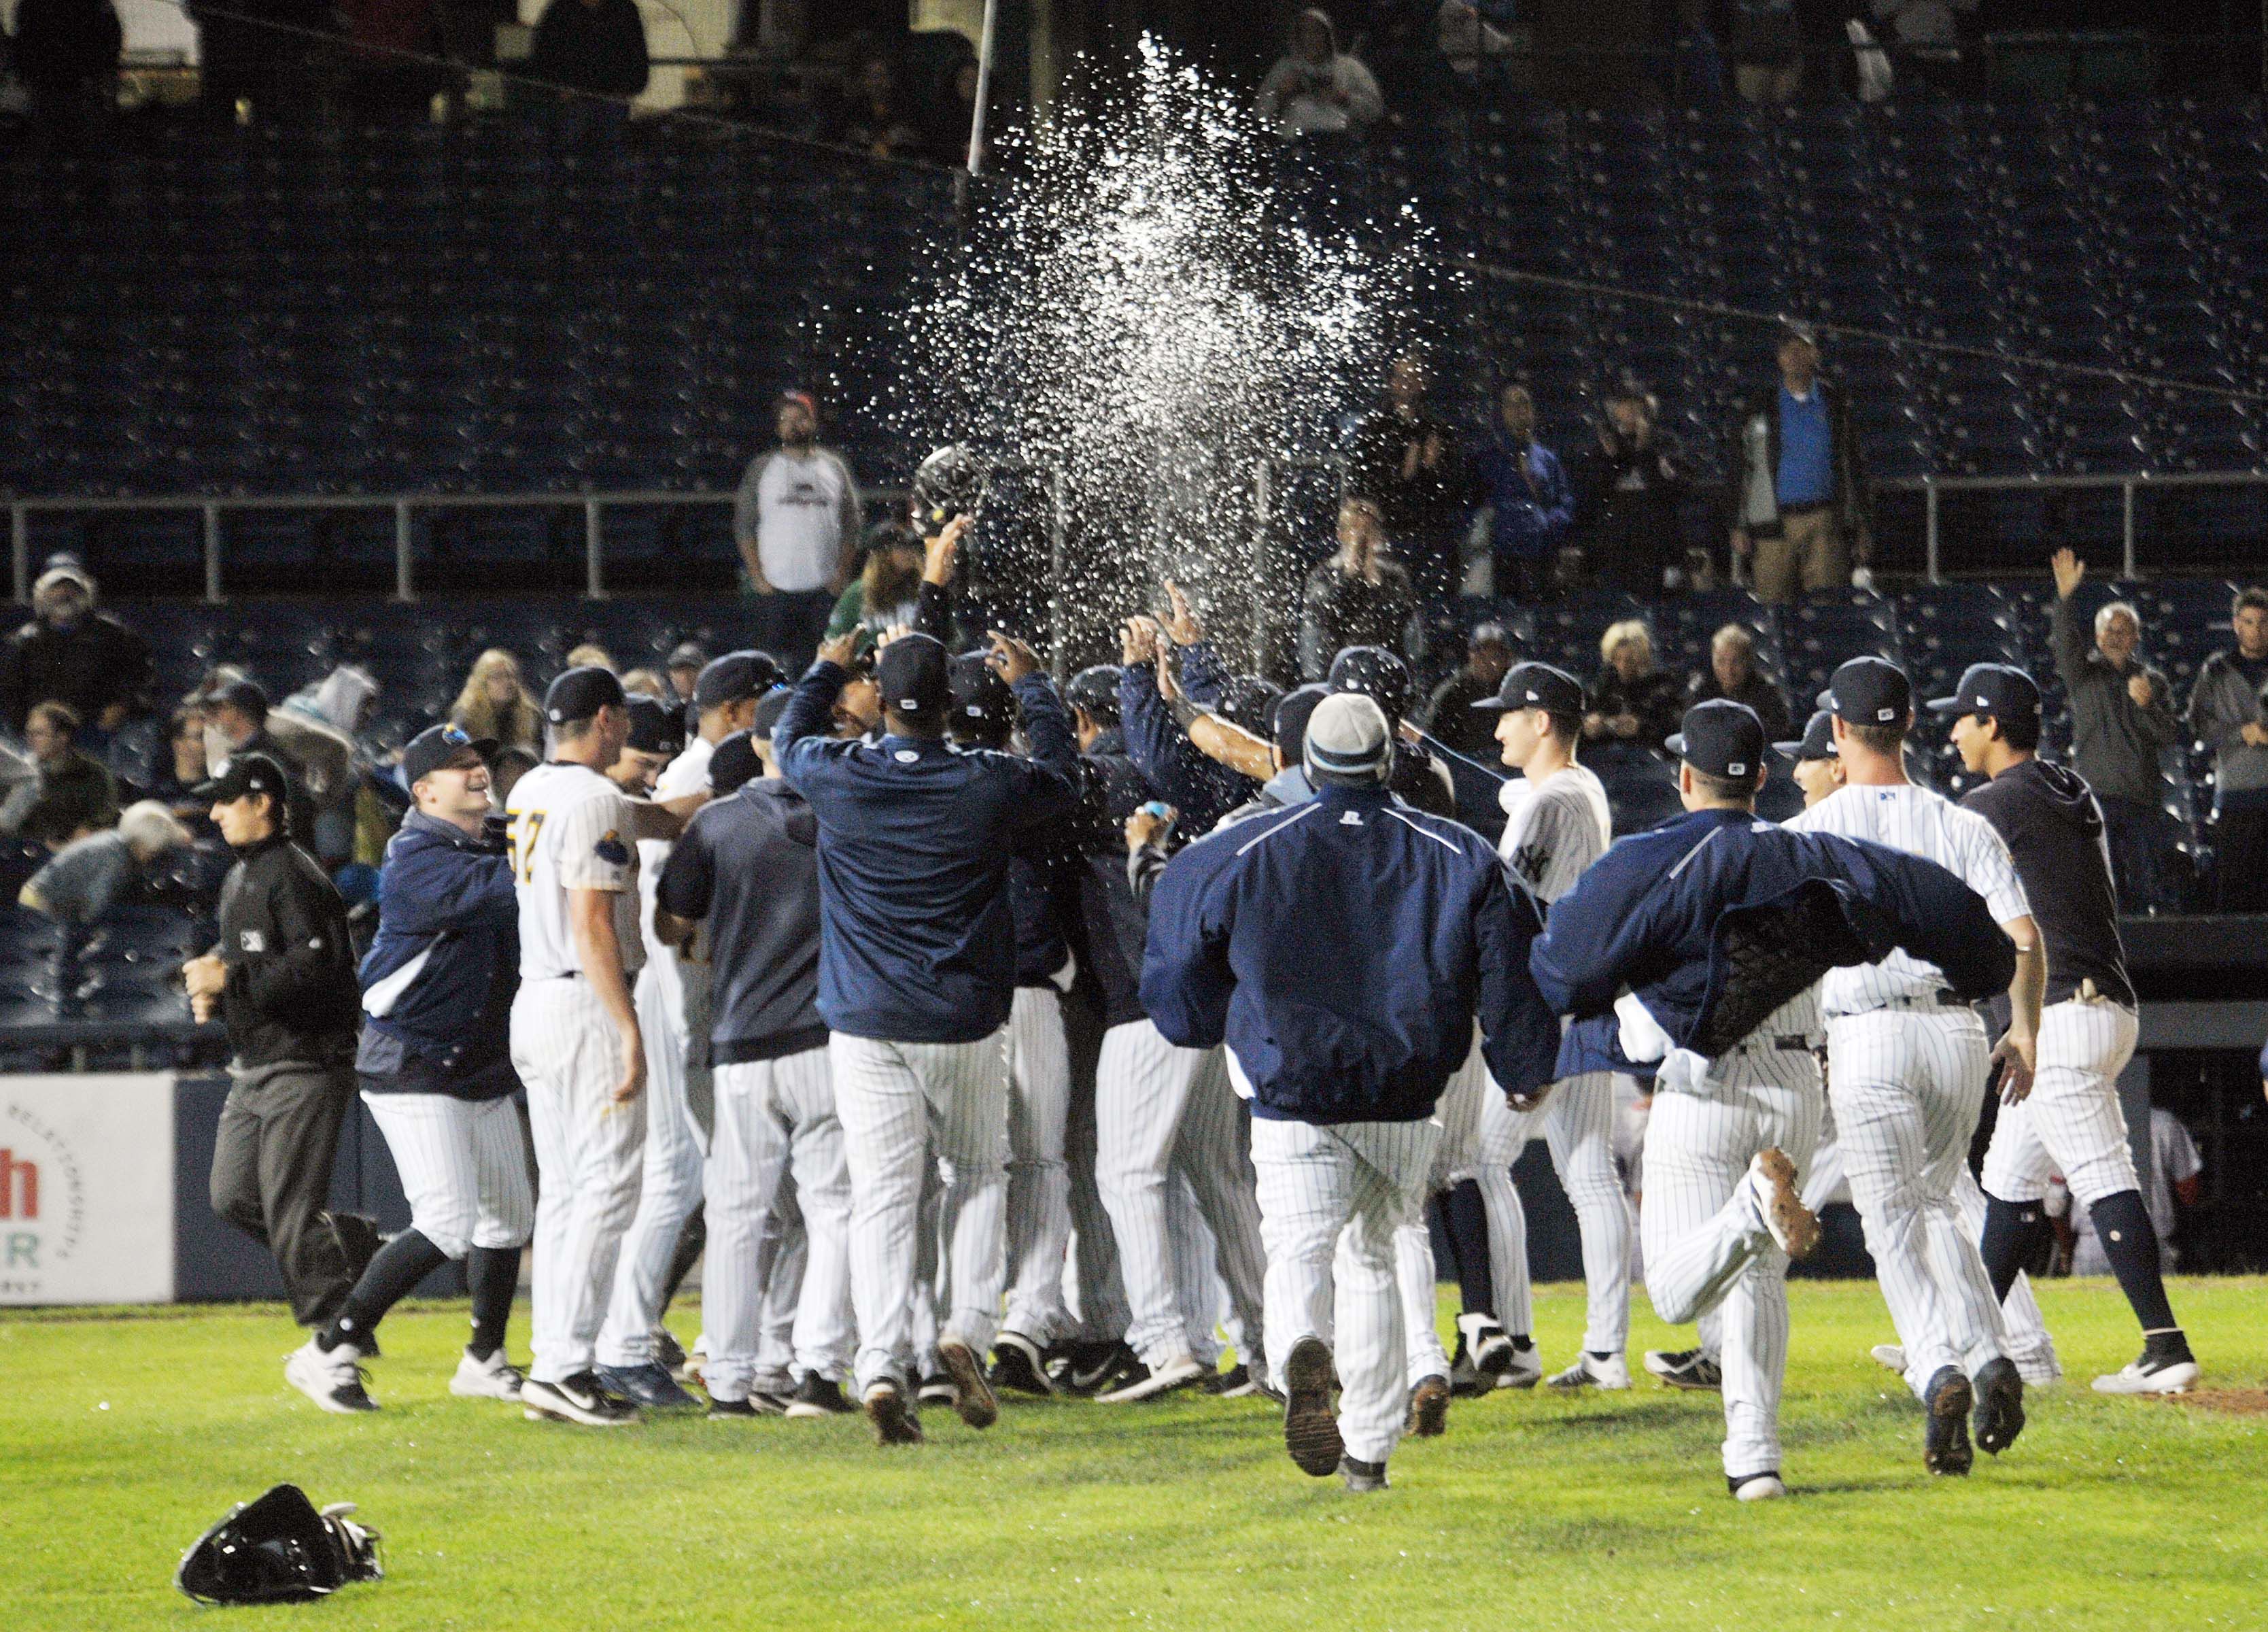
1341,949
435,1063
1531,507
917,974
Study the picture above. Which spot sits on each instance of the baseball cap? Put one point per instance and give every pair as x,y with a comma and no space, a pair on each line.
1817,743
579,693
1868,692
655,726
769,707
245,773
983,708
1794,329
1348,743
1375,672
734,763
1096,690
61,570
734,677
244,696
436,748
1247,701
1536,685
687,654
1293,711
1994,690
1721,738
911,673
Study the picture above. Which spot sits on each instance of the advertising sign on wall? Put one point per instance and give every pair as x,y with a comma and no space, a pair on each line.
86,1189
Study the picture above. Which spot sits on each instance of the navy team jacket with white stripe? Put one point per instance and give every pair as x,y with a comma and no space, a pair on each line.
439,979
1342,949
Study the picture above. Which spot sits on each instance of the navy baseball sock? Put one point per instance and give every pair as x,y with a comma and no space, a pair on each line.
1464,1220
401,1264
2130,1241
493,1274
690,1240
2012,1235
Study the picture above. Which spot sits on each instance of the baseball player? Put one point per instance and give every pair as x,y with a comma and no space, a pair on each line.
575,1038
656,734
1699,944
1344,1055
433,1062
916,977
677,1097
1908,1059
2071,1123
1556,825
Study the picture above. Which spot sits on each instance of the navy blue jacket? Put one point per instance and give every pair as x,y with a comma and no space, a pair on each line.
1646,915
1040,949
1110,921
917,942
1203,790
439,979
1342,948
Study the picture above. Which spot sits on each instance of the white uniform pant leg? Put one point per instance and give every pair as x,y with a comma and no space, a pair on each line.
463,1167
879,1096
1212,1149
747,1152
965,1085
1503,1133
1415,1278
1579,1126
670,1188
1039,1183
782,1256
920,1357
824,1335
568,1055
1958,1060
1142,1083
2072,1122
1196,1282
1824,1174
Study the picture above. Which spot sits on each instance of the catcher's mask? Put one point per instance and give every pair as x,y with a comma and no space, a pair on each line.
279,1550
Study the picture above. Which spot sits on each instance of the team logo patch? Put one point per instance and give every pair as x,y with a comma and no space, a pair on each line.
905,755
251,941
1529,860
1353,818
612,851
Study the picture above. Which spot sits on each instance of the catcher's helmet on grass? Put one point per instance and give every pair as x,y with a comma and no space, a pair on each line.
279,1550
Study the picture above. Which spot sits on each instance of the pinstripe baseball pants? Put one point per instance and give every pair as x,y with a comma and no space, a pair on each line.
1577,1125
1908,1085
898,1101
773,1114
2071,1123
463,1166
1039,1184
670,1186
1455,1157
783,1255
1824,1174
1332,1199
2026,1329
568,1055
1156,1106
1707,1249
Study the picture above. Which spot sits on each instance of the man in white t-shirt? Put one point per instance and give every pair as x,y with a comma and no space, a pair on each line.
798,523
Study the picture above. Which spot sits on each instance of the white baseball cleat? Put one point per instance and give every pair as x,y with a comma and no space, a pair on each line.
2149,1377
333,1378
1594,1372
1778,1204
1525,1370
1890,1358
1757,1488
486,1379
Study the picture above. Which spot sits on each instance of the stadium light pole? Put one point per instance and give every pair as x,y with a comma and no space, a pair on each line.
983,86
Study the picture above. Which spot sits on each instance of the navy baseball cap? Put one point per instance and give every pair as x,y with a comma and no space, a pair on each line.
769,707
244,695
580,693
245,773
438,746
734,763
912,675
1995,690
1096,690
1289,724
1721,738
1536,685
1868,692
983,708
655,726
735,677
1818,741
1373,672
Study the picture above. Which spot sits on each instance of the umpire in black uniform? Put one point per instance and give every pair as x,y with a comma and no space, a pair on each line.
283,979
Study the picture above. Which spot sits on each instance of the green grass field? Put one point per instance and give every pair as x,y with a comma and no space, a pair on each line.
121,1437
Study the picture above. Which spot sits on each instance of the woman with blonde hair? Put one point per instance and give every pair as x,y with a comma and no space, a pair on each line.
1631,701
496,703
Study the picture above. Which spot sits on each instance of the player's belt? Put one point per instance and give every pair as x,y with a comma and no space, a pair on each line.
1787,1043
1924,1001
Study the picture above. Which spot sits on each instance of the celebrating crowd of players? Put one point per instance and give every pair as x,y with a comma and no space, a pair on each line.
989,1038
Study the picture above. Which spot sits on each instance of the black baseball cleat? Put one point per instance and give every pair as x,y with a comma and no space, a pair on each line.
818,1396
1945,1447
580,1399
1311,1430
1999,1407
1017,1366
893,1418
649,1384
1362,1477
973,1400
669,1353
1429,1408
1236,1383
1686,1369
732,1410
936,1389
1075,1368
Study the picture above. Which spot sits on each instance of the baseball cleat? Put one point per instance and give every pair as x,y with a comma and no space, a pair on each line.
695,1367
721,1410
1017,1366
669,1353
1685,1368
1527,1367
894,1420
936,1389
1362,1478
1179,1373
2165,1366
1311,1432
1592,1370
580,1399
1890,1358
486,1379
1236,1383
1945,1445
818,1396
333,1378
1780,1204
1087,1366
973,1401
1429,1408
1756,1486
1999,1407
647,1385
765,1403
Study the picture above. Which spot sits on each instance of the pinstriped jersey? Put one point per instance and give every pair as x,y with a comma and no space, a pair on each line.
571,829
1553,830
1933,827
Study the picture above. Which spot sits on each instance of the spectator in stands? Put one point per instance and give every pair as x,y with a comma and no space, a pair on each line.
1450,716
2229,713
496,705
386,79
2122,718
1929,35
1631,701
878,119
591,655
1767,50
69,653
889,585
1733,674
1408,458
1469,38
646,683
71,795
67,60
1314,87
511,764
1628,483
798,523
955,117
344,700
684,667
1697,60
89,875
180,765
1799,505
239,721
1361,596
1531,507
595,47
